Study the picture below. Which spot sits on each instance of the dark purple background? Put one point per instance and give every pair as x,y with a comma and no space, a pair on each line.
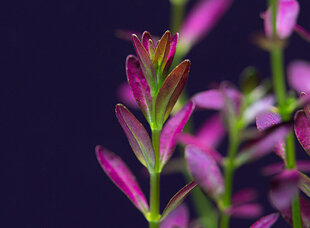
61,65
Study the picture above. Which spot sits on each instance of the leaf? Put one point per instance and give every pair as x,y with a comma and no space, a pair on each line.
244,196
161,55
171,129
137,136
139,86
146,63
122,177
177,199
267,119
204,171
266,221
302,130
210,99
283,188
173,47
170,91
298,74
179,218
125,95
304,184
248,211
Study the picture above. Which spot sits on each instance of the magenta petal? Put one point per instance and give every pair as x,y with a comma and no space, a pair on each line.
204,170
139,86
171,129
272,168
232,100
122,177
247,211
257,108
179,218
210,99
125,95
265,143
267,119
137,136
302,130
283,188
145,62
244,196
202,18
173,47
298,74
266,221
302,32
177,199
286,18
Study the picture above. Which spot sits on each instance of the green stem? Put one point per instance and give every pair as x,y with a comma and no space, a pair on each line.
177,14
277,65
229,170
155,183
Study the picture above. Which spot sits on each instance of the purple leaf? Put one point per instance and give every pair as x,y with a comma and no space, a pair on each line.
304,184
122,177
210,99
171,129
298,74
232,100
145,62
279,149
267,119
202,18
244,196
147,42
272,169
266,221
178,218
257,108
161,54
287,13
125,95
204,170
173,47
264,143
177,199
302,32
137,136
283,188
247,211
302,130
170,91
139,86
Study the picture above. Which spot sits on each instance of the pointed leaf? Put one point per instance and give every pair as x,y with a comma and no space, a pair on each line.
283,188
122,177
146,36
244,196
266,221
267,119
177,199
247,211
204,170
145,62
139,86
257,108
179,218
172,128
161,54
302,32
210,99
137,136
173,47
170,91
304,184
302,130
298,74
125,95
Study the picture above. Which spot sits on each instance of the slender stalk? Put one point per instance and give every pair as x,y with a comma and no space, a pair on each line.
277,66
229,170
155,183
177,14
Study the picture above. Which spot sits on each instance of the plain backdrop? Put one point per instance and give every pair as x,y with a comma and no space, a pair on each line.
61,65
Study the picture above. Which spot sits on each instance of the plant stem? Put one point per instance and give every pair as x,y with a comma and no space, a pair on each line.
155,182
229,170
177,14
277,66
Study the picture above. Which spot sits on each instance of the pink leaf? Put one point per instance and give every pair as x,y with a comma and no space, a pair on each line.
177,199
178,218
287,13
302,130
298,74
204,170
173,47
283,188
137,136
247,211
122,177
210,99
267,119
202,18
125,95
244,196
139,86
171,129
302,32
266,221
